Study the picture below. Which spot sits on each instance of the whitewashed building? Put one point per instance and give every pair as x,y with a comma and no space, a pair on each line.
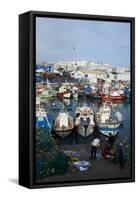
79,75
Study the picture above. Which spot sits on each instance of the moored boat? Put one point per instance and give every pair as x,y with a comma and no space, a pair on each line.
105,128
94,95
93,92
113,96
48,93
64,123
43,119
40,88
87,89
75,94
106,121
127,92
84,121
64,92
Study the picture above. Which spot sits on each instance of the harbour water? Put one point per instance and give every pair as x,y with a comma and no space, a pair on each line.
53,106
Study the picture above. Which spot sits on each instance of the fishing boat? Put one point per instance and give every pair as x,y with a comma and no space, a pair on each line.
106,119
94,94
64,123
113,96
48,93
40,88
87,89
43,119
127,92
81,93
75,95
38,101
84,121
64,92
75,92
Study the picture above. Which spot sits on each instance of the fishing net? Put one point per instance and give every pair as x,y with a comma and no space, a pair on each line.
49,159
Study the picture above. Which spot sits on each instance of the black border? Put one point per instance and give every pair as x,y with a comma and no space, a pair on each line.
32,61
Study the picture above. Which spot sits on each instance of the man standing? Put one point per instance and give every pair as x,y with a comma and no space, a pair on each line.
95,143
111,139
121,155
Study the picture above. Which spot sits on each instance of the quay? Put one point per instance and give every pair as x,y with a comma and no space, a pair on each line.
100,169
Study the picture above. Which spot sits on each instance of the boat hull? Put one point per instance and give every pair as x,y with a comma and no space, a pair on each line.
47,96
113,98
62,133
39,91
105,129
85,131
75,95
94,95
42,122
65,95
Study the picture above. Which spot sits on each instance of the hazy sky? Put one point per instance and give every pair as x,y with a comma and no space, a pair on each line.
93,40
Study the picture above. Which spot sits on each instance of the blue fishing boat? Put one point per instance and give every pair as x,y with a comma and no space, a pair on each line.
127,92
94,95
92,92
39,79
105,128
87,89
105,120
81,92
43,119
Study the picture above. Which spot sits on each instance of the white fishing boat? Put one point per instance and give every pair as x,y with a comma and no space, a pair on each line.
106,120
84,121
75,95
75,92
64,92
38,101
64,123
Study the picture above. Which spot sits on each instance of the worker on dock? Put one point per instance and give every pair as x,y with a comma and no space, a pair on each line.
95,143
111,139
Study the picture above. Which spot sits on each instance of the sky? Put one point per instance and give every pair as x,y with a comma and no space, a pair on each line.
71,39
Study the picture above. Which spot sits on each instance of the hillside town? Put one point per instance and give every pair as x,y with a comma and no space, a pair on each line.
88,70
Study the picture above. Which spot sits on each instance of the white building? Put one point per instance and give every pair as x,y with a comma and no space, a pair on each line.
124,76
79,75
